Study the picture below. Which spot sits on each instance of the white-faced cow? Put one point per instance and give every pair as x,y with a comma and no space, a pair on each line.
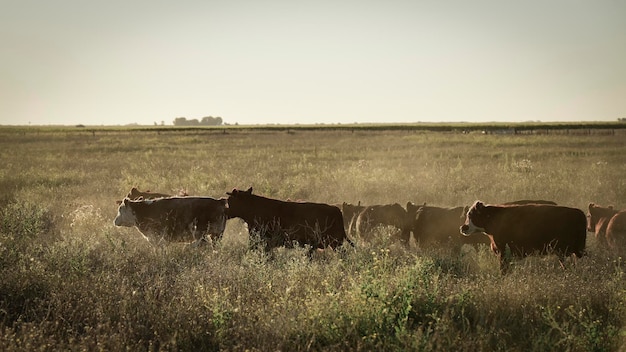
175,219
284,223
528,229
598,218
384,215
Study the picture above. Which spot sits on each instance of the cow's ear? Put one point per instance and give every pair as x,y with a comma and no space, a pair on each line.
126,200
249,190
118,202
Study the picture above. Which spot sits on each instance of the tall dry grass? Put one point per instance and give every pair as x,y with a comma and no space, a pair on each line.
70,280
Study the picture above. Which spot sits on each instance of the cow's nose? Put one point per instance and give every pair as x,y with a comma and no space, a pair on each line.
464,228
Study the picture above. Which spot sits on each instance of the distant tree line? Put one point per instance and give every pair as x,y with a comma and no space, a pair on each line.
205,121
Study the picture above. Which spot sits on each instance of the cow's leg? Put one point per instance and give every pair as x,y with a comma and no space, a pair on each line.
505,254
405,237
201,242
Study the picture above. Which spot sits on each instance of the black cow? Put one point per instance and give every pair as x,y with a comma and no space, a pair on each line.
283,223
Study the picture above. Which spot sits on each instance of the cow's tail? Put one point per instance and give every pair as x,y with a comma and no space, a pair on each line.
350,242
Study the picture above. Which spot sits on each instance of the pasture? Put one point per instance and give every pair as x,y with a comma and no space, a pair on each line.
71,280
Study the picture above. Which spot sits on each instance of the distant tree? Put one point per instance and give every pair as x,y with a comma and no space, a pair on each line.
211,121
180,121
205,121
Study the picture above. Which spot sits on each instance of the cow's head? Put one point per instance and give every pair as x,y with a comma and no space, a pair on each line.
596,213
412,209
134,193
237,201
125,214
475,219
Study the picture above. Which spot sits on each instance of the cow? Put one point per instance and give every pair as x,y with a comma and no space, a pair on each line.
284,223
350,213
438,226
616,231
384,215
598,218
175,219
527,229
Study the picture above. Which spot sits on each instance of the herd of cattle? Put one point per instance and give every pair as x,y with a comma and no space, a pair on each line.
525,226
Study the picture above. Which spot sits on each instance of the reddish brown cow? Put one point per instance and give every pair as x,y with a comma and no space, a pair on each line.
384,215
598,220
527,229
281,223
174,219
616,231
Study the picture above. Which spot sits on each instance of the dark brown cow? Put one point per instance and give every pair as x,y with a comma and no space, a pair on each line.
280,223
598,220
527,229
616,231
384,215
437,226
350,213
174,219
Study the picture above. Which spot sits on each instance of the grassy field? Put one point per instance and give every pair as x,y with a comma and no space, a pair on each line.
71,280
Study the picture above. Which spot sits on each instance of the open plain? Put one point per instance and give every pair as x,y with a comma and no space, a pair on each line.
71,280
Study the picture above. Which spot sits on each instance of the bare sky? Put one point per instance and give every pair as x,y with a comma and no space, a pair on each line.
256,62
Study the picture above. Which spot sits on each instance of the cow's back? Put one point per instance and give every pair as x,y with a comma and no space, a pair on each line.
533,227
